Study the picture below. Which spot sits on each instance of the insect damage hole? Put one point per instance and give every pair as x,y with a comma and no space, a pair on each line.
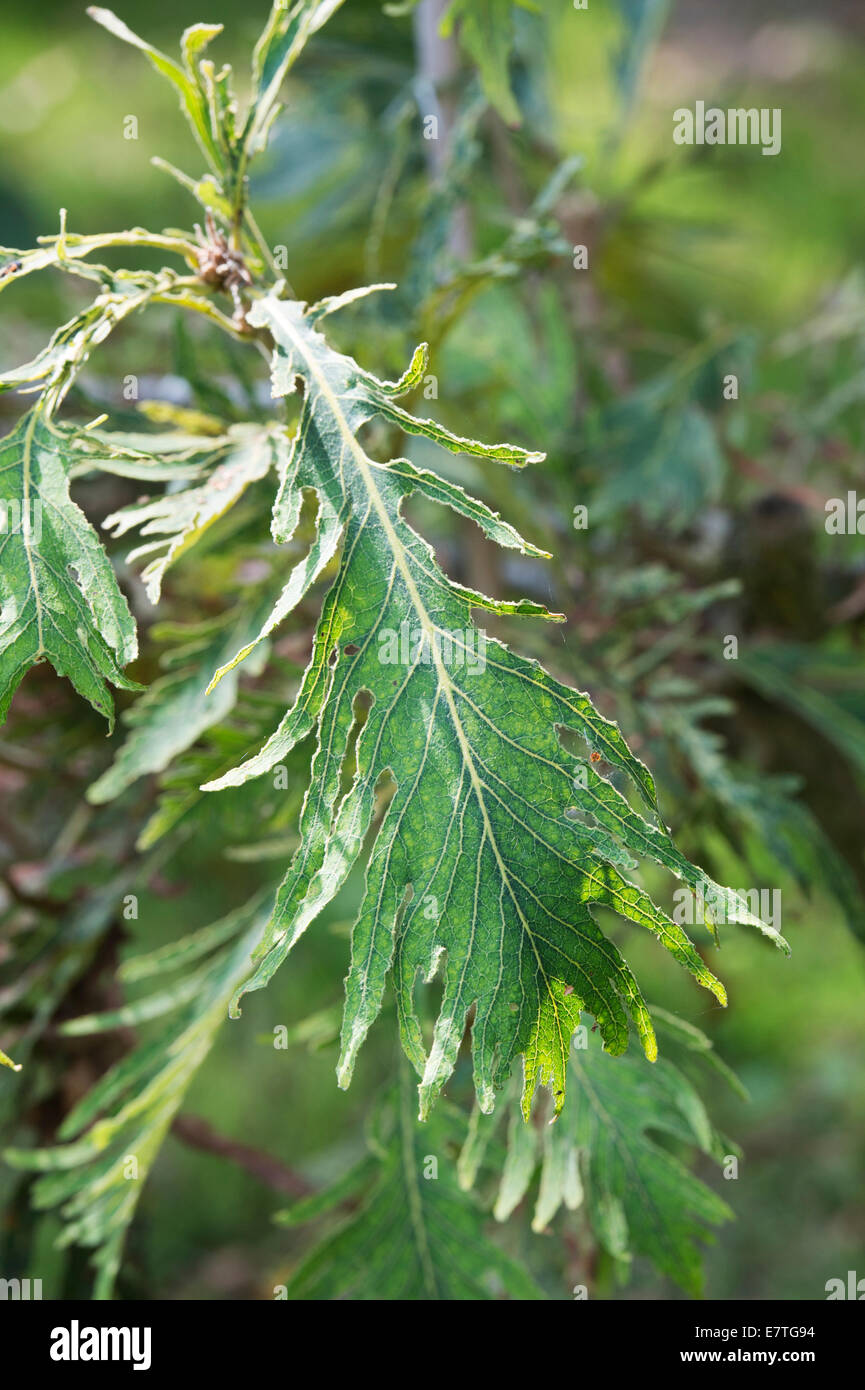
361,705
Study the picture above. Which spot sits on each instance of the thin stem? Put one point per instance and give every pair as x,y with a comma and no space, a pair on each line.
198,1134
258,238
74,247
202,306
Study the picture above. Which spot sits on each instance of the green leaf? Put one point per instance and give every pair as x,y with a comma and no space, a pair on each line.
417,1236
55,367
824,688
696,1047
237,815
179,519
129,1111
177,708
486,34
657,454
285,35
320,1203
476,855
207,190
193,42
640,1197
192,101
599,1158
642,22
58,952
59,595
766,808
67,251
164,457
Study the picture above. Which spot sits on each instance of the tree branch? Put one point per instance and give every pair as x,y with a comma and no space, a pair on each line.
198,1134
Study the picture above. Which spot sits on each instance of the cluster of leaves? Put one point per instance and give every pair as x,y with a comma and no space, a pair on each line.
125,1116
497,811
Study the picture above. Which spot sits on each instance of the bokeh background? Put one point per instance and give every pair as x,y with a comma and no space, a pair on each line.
699,260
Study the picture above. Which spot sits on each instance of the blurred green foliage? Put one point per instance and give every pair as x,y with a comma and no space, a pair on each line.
702,263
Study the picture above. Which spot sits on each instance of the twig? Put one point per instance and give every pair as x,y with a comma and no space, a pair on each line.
198,1134
751,468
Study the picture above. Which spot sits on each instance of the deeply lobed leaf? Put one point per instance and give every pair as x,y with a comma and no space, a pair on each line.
60,598
477,858
416,1236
